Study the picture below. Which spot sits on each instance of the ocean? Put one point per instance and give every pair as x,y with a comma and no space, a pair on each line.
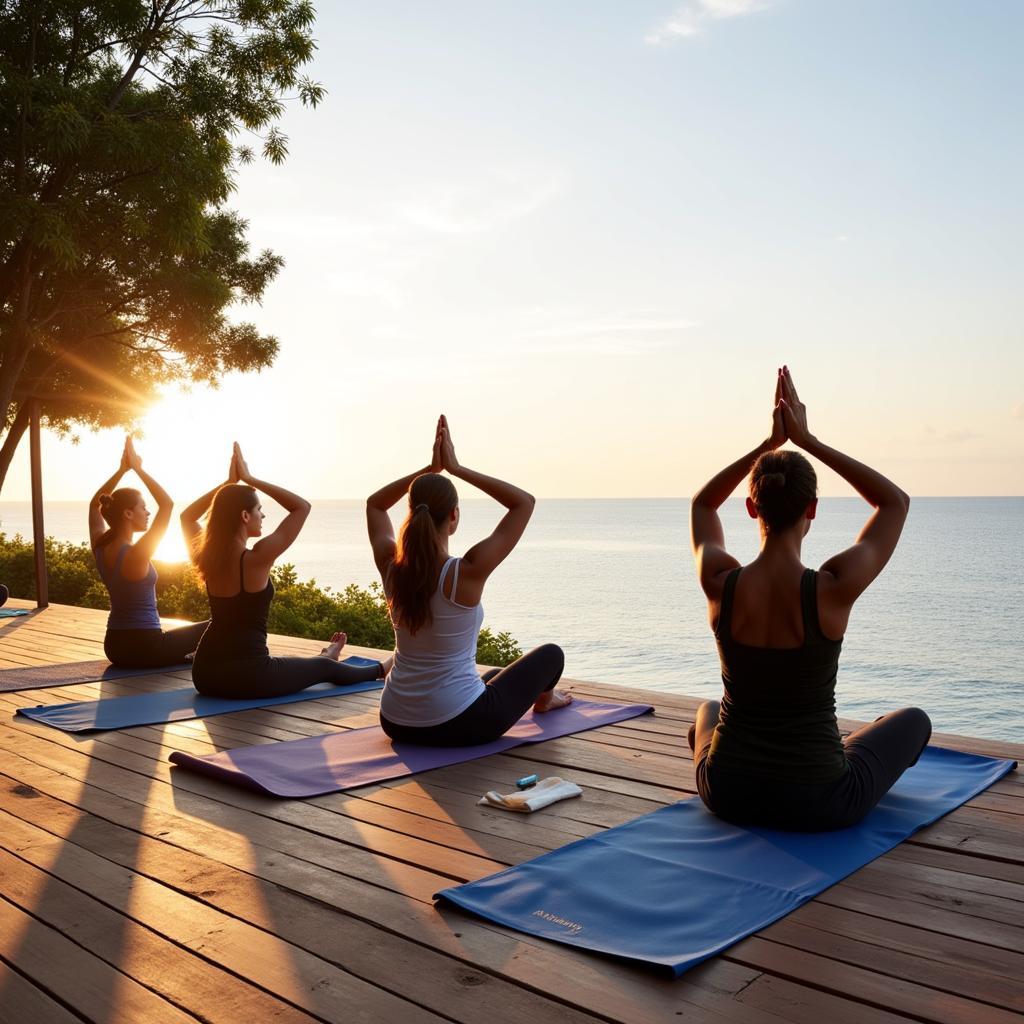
612,582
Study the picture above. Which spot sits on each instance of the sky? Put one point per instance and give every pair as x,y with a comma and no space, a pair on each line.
590,232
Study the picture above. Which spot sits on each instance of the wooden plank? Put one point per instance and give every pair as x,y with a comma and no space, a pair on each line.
347,878
603,985
882,991
314,981
153,961
21,1001
75,977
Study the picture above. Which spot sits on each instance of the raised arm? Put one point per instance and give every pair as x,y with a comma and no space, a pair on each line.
141,552
706,534
378,523
189,519
484,557
97,524
266,551
848,574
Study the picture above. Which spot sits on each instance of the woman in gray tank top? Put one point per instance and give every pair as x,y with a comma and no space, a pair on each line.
433,694
134,637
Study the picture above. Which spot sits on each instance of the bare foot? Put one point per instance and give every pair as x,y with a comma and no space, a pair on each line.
551,700
385,666
333,649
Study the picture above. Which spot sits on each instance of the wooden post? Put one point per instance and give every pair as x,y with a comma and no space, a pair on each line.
38,533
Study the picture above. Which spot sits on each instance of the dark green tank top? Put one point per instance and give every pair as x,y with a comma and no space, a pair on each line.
778,716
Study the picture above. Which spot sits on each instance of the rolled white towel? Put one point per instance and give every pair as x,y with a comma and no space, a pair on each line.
547,791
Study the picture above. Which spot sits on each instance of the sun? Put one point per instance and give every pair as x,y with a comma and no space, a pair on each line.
185,442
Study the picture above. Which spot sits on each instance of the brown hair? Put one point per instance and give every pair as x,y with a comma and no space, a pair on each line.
113,507
414,571
782,485
211,547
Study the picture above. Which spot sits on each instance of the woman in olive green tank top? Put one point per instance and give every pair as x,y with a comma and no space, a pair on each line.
770,752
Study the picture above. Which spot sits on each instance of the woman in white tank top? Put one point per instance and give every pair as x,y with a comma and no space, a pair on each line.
433,693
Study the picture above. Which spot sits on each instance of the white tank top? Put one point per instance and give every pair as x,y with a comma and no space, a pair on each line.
434,676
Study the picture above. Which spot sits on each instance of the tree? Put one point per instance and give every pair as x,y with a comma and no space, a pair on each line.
122,123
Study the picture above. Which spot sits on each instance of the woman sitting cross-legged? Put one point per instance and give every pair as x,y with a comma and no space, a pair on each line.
134,637
433,694
770,754
233,660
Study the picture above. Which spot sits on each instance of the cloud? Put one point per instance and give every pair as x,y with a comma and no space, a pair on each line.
691,19
614,333
932,436
375,251
491,201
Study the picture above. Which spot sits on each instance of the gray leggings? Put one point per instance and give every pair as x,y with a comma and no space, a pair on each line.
510,693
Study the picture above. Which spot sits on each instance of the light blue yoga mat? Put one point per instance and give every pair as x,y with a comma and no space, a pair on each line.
679,885
174,705
10,613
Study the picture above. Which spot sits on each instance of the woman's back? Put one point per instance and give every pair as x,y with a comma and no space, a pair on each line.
777,716
434,676
132,602
238,621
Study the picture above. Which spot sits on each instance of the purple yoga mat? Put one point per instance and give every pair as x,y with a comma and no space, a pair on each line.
343,760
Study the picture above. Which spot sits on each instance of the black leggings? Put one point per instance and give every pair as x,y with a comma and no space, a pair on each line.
274,677
876,755
151,648
509,694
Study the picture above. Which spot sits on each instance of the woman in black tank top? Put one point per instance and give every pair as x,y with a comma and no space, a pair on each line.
232,659
770,752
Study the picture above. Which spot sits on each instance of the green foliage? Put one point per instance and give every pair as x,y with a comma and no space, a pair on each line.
121,125
496,648
300,607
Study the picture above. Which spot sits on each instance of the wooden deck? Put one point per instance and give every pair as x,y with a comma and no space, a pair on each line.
128,893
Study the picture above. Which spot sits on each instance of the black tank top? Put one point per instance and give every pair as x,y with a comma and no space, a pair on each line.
238,624
778,716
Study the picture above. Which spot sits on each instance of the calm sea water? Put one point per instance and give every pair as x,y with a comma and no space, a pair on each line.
613,583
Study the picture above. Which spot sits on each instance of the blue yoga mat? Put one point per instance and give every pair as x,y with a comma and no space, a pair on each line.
10,613
37,677
174,705
679,885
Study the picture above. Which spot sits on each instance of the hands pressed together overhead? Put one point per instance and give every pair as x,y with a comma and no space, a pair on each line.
238,471
789,416
443,455
130,459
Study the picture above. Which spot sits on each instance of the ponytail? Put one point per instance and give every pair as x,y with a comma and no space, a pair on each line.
419,550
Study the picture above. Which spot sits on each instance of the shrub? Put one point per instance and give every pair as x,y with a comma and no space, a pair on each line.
300,607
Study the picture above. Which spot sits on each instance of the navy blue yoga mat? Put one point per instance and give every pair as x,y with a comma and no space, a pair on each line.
677,886
173,706
357,757
67,673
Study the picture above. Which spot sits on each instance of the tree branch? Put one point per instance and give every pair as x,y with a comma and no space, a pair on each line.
13,438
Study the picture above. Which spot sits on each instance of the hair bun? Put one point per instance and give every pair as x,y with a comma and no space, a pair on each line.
106,501
773,480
